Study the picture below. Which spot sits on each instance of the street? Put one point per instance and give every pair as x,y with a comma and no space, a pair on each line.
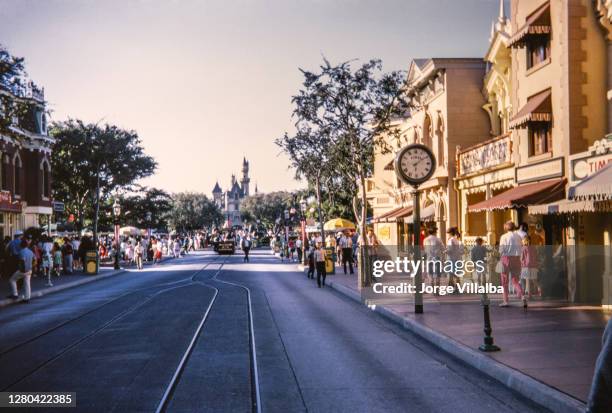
127,344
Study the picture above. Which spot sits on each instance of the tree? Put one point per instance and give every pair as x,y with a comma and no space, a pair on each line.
266,207
90,162
348,114
193,211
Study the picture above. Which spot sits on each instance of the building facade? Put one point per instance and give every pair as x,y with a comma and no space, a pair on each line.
25,161
229,201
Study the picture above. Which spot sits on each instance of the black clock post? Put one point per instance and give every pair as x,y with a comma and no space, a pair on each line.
408,163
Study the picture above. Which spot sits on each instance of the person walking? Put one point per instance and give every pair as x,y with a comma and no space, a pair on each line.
454,253
176,248
67,256
319,256
47,259
433,247
510,248
529,267
25,264
298,249
245,244
139,252
311,262
479,253
346,245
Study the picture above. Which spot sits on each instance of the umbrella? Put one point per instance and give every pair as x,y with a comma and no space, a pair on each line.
129,231
338,224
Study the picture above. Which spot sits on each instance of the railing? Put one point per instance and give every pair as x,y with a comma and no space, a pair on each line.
485,155
27,90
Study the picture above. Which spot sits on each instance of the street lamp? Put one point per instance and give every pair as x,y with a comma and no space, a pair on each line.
116,214
303,206
148,218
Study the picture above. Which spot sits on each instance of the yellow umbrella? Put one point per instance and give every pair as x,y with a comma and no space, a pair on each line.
338,224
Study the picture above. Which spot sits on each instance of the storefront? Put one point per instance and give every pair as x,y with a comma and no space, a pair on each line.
10,215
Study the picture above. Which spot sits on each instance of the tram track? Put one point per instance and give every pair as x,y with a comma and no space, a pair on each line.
171,286
197,337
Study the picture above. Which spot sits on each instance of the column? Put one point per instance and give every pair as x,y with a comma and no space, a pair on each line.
490,219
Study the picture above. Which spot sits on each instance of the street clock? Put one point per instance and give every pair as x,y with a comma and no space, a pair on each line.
415,164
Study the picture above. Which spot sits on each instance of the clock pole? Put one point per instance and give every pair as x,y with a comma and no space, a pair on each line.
416,222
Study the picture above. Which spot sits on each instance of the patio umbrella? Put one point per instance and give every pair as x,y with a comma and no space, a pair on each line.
129,231
338,224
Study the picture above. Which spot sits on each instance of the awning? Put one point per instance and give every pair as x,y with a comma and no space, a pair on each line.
524,195
564,206
537,109
537,23
426,214
597,187
394,214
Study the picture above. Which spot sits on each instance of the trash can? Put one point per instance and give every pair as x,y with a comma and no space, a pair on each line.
330,260
92,262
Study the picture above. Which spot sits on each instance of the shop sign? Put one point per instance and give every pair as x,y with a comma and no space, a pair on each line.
487,155
585,164
7,204
552,168
58,206
384,232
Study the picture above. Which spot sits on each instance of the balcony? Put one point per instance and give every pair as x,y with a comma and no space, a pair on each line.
490,154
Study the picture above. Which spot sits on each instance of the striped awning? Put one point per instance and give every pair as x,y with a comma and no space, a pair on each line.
537,109
394,215
597,187
536,24
523,196
565,206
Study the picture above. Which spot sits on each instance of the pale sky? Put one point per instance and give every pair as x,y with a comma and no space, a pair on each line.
205,83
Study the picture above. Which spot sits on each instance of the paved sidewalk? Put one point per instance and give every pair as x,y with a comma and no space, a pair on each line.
555,344
40,288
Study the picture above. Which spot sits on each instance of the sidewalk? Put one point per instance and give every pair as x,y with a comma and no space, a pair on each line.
555,344
39,287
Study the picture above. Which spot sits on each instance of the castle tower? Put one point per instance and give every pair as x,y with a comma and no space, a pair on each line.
245,177
217,193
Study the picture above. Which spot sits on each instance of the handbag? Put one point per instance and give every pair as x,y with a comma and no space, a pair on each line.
499,267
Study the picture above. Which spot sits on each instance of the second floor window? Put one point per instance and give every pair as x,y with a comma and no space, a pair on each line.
540,138
538,50
17,177
45,182
4,174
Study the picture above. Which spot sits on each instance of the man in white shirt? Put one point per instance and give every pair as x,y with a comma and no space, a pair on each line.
433,248
346,246
510,247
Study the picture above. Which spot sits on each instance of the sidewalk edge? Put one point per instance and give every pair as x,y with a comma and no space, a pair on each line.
523,384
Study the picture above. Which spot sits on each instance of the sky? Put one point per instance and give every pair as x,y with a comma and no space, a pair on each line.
208,82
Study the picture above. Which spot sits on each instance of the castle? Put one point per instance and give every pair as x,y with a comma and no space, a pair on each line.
229,201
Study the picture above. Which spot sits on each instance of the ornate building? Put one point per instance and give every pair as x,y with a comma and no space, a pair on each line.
229,201
25,167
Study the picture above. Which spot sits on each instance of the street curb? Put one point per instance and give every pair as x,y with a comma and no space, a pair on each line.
523,384
86,280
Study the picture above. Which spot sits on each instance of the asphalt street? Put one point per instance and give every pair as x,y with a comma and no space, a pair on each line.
211,333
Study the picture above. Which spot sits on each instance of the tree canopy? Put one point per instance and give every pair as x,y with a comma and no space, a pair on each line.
192,211
82,153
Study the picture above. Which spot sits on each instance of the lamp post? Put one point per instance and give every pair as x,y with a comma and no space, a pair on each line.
303,207
148,218
116,214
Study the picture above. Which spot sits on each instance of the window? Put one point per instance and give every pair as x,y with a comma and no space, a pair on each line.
540,138
4,171
538,50
45,181
17,177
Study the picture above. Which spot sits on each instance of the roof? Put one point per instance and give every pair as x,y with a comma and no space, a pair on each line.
597,187
537,109
394,214
524,195
565,206
217,188
425,214
537,22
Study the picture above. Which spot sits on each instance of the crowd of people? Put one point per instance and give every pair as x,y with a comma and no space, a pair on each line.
26,256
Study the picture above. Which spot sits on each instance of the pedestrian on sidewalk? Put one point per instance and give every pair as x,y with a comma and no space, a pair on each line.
12,251
529,266
319,255
433,248
139,252
47,259
311,262
67,255
57,259
600,396
479,253
346,249
245,244
510,248
25,263
454,253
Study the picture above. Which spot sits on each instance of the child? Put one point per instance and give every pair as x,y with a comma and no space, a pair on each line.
311,263
479,253
57,259
529,267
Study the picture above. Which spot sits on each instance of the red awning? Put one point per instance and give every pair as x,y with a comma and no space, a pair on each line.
524,195
394,215
537,109
537,23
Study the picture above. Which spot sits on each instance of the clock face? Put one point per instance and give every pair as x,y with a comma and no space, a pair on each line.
415,164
